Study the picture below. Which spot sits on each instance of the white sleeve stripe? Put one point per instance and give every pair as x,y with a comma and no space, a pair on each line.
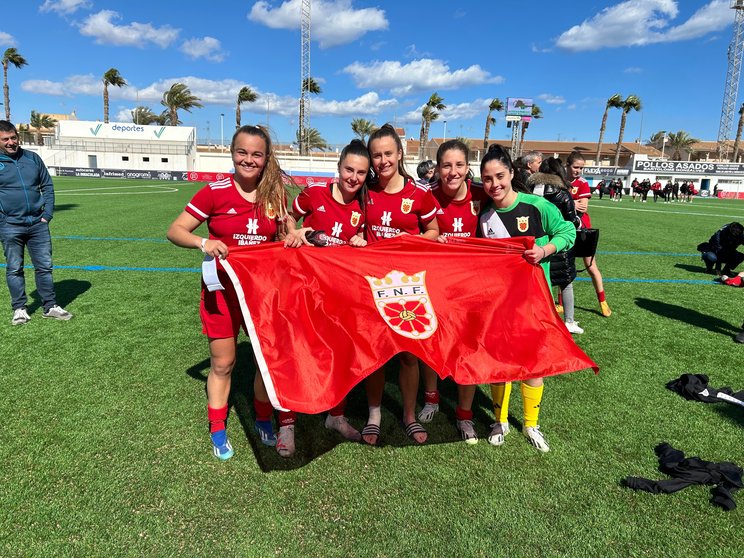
297,207
198,211
432,212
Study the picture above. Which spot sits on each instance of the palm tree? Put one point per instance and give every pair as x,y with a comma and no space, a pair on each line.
179,97
616,101
39,121
112,77
428,115
738,133
362,128
10,56
144,115
680,141
494,105
536,113
631,102
245,95
309,85
314,139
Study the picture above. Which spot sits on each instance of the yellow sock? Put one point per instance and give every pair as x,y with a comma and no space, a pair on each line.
531,397
500,394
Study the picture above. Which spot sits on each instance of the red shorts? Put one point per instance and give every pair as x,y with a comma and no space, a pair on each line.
220,311
586,222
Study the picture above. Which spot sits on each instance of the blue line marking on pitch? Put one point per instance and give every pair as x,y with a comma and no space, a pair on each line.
160,240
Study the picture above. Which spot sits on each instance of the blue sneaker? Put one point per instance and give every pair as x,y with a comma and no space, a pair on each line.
221,445
265,432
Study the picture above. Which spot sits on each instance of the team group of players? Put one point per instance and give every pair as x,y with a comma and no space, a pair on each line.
374,198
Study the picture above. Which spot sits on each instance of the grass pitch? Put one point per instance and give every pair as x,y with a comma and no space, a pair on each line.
104,450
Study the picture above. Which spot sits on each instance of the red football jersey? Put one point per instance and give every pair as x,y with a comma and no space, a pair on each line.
580,189
459,217
230,217
320,211
406,211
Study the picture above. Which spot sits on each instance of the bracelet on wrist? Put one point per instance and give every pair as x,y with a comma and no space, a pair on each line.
203,244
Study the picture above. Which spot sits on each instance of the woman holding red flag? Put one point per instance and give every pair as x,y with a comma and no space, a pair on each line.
518,214
395,205
460,201
336,210
254,198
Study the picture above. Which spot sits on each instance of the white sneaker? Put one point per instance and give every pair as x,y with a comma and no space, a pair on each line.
341,425
467,431
573,327
498,431
20,316
285,442
536,438
427,413
58,313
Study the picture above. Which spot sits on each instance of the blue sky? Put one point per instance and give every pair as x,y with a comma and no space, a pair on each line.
381,61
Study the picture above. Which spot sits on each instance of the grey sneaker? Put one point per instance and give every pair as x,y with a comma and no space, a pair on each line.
498,431
467,431
58,313
428,411
20,316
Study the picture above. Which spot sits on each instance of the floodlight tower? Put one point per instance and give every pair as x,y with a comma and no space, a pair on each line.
304,119
733,73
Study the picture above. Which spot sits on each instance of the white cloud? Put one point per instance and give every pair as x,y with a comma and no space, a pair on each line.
632,70
212,92
552,99
460,111
100,25
206,47
538,49
64,7
419,75
643,22
6,39
334,22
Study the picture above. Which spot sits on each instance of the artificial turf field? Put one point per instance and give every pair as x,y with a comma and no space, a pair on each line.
104,449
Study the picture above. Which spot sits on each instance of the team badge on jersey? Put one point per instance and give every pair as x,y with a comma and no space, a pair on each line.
406,205
270,213
474,207
404,303
574,190
355,217
523,223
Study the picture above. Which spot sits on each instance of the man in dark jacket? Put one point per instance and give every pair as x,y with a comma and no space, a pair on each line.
721,249
26,207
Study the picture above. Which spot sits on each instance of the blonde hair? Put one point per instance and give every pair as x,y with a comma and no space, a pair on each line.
271,192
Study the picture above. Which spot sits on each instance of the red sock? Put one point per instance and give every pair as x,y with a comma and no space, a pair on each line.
431,397
217,418
287,418
338,410
462,414
263,409
560,298
601,296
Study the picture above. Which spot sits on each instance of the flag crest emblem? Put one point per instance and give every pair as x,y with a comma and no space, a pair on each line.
404,303
270,213
523,223
406,205
355,217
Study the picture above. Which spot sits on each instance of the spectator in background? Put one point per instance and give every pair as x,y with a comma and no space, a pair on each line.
527,165
721,249
425,171
26,207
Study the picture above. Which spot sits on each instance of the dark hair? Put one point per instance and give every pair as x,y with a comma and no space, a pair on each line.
357,147
574,156
387,131
736,230
7,126
424,167
553,165
497,153
449,145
